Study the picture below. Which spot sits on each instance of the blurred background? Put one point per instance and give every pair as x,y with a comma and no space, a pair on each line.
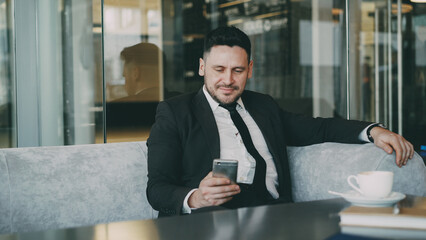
92,71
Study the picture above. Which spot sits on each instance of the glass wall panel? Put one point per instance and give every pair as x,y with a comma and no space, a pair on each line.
390,68
7,123
70,50
371,38
413,106
58,77
152,49
82,77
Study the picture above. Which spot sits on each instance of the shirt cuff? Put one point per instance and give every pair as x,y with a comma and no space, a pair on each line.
185,208
363,135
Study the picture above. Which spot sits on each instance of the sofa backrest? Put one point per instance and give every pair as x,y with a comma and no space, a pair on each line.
318,168
66,186
69,186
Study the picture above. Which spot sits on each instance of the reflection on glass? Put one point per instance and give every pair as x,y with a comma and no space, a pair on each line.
6,87
141,73
133,67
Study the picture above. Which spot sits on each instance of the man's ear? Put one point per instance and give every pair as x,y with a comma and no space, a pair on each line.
250,69
136,73
201,67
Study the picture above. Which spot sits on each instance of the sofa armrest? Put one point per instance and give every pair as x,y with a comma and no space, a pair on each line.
318,168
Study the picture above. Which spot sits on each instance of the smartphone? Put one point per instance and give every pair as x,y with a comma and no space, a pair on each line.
225,168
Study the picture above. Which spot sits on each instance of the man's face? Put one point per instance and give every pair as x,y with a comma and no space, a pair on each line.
225,70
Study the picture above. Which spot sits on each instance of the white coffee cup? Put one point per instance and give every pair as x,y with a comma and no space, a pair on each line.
373,184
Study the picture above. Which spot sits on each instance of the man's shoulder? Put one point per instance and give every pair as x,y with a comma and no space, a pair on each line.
255,96
182,104
181,99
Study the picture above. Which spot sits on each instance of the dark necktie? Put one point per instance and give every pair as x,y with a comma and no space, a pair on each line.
260,172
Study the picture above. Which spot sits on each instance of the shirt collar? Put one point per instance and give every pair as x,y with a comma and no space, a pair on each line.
214,105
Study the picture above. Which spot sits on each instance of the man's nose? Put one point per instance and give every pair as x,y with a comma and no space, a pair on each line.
228,78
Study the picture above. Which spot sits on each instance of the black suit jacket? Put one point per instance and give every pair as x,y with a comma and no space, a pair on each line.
184,140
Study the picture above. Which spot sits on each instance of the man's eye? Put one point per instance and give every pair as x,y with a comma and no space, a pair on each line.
219,70
238,70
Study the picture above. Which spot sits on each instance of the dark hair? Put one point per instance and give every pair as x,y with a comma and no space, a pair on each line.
141,53
229,36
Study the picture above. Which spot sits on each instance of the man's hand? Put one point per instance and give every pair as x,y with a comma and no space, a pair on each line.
390,141
213,191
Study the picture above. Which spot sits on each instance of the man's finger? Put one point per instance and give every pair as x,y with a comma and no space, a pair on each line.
225,194
398,152
217,202
212,182
404,152
395,143
386,147
220,189
210,175
410,151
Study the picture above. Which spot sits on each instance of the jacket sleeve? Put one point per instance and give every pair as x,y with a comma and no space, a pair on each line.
302,130
165,190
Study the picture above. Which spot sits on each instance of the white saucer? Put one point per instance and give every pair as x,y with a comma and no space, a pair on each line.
357,199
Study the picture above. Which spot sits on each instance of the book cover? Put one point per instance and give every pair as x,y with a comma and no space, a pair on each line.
410,215
383,233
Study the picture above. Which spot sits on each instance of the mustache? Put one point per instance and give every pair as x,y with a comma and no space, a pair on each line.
228,86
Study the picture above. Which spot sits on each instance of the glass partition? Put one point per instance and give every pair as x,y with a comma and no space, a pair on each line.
7,119
306,55
389,66
70,50
58,72
412,89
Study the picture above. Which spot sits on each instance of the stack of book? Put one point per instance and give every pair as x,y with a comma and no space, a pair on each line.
404,221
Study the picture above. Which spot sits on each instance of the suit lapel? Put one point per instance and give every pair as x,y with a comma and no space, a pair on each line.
205,117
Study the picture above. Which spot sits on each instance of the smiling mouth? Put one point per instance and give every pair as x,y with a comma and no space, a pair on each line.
228,88
227,91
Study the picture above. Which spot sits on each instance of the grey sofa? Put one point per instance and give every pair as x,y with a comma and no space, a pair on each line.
68,186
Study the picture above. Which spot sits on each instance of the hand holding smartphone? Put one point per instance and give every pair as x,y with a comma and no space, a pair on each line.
226,168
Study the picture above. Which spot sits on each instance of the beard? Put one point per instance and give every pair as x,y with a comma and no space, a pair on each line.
225,101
